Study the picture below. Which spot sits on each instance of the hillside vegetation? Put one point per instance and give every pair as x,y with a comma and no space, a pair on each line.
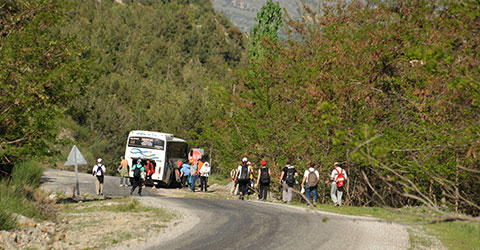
388,88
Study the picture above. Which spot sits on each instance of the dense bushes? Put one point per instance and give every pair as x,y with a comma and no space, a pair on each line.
388,88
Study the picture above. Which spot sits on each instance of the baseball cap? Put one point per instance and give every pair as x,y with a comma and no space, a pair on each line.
244,159
263,163
139,161
336,164
99,160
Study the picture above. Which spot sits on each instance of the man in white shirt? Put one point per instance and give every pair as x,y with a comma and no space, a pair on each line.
99,172
339,179
204,173
310,183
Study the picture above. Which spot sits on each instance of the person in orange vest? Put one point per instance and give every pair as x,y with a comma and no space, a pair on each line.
150,171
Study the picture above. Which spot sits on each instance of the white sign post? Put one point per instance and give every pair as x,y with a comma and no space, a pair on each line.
75,158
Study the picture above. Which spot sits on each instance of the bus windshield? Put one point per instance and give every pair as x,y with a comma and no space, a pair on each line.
146,142
177,150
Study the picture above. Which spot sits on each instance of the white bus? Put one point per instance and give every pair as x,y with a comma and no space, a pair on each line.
163,149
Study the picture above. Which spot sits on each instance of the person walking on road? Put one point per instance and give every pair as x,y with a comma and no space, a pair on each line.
193,174
338,178
185,174
287,180
242,176
310,183
99,172
204,173
138,177
234,184
123,169
263,181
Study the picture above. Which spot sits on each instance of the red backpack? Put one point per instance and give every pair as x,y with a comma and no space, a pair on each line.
340,180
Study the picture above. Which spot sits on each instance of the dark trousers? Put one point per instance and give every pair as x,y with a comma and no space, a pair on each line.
203,183
242,186
184,181
136,183
263,191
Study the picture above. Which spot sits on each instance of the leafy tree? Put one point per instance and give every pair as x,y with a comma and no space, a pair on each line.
387,88
158,63
39,71
269,24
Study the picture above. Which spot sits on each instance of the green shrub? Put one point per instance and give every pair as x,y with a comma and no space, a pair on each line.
27,173
6,220
19,195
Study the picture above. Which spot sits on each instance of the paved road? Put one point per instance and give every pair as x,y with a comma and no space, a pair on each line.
235,224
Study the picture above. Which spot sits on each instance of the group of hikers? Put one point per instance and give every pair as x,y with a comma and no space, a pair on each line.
244,181
191,171
243,178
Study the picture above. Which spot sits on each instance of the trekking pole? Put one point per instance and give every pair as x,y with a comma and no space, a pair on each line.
252,189
298,192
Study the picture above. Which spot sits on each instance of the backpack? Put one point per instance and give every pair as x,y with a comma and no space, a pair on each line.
290,179
312,179
99,170
136,171
244,174
340,179
264,176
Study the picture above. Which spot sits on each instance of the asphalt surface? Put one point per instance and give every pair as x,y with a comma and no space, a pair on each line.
236,224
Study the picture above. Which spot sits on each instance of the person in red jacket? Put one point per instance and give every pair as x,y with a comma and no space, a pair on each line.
150,171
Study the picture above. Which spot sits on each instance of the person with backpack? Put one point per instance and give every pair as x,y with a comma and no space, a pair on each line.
184,174
310,178
339,179
242,177
99,172
263,181
193,174
138,177
150,171
287,180
204,173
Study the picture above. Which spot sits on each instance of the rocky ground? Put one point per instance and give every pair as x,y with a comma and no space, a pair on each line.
77,225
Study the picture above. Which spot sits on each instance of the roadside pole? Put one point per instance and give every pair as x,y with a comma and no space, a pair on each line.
75,158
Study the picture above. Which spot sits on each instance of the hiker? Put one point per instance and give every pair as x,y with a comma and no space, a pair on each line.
242,177
338,179
150,171
123,170
99,172
287,180
234,184
138,177
252,182
204,173
193,174
263,181
184,174
310,178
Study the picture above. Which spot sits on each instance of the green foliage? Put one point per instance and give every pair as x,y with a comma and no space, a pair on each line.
7,221
159,64
269,24
27,173
19,195
380,86
39,70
